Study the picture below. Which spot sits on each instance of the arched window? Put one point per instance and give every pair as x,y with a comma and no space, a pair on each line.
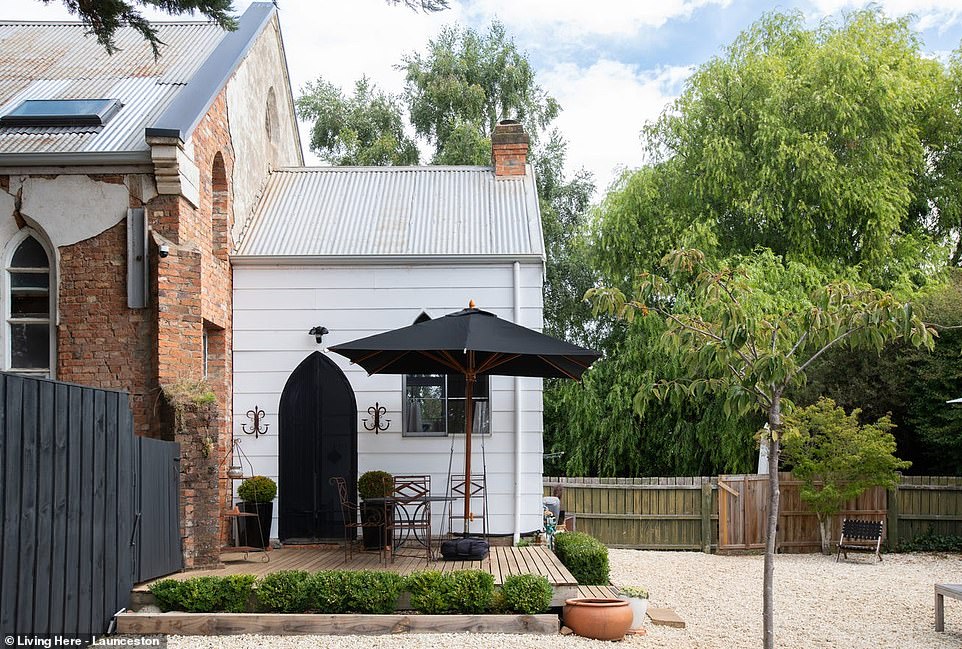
270,115
30,309
434,403
219,208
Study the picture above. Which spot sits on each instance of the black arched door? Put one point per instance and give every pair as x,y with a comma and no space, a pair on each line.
317,440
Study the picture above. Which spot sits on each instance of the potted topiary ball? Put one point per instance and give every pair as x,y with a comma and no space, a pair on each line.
257,497
374,484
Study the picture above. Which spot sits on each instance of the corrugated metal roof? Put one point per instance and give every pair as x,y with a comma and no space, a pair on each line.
61,61
394,211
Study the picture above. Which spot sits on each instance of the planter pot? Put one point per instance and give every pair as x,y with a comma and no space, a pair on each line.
253,531
374,537
639,607
596,618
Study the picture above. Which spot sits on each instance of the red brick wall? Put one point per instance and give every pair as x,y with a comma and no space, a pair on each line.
101,342
194,293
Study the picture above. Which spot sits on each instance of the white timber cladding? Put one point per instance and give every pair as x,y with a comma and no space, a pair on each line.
275,306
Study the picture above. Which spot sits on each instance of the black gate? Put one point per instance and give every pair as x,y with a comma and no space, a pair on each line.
318,440
67,474
157,519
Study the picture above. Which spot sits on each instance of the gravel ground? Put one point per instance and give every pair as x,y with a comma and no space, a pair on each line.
818,605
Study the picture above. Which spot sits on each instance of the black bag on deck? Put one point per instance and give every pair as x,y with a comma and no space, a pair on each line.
469,549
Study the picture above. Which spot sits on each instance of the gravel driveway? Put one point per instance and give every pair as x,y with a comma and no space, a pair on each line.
819,604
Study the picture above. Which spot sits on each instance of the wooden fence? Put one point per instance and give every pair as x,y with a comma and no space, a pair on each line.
649,513
72,480
728,513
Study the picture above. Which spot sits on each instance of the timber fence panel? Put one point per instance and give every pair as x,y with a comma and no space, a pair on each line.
66,506
928,505
643,513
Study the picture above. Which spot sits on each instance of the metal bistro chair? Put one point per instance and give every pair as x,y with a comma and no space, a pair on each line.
352,521
411,513
477,493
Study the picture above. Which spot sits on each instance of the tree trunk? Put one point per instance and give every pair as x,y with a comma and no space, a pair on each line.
768,594
824,524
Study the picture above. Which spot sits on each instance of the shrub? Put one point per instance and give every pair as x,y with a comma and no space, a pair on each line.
347,591
461,591
374,484
527,594
326,591
167,594
585,556
470,591
257,489
372,591
283,592
428,591
930,541
229,594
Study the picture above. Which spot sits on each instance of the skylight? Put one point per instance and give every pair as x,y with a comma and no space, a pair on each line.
61,112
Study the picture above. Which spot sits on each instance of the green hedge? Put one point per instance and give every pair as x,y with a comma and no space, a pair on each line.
585,556
231,594
349,591
528,594
461,591
283,592
361,591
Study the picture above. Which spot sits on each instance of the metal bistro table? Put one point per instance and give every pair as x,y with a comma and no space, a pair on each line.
410,509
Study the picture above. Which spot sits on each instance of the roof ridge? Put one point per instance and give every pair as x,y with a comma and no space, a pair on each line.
381,168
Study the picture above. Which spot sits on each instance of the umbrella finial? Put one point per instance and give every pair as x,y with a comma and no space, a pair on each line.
471,304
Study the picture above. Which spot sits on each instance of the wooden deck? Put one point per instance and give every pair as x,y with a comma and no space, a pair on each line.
501,562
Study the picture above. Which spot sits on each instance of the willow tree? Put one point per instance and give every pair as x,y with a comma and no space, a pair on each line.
741,340
812,141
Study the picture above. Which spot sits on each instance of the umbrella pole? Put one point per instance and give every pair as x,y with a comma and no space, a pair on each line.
469,379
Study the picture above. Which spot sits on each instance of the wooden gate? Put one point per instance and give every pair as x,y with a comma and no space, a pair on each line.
742,512
156,537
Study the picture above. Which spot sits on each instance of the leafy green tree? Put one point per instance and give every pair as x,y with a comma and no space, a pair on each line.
366,128
466,83
838,459
809,142
105,17
910,385
739,337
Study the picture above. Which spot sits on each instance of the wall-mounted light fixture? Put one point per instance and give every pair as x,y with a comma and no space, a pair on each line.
318,333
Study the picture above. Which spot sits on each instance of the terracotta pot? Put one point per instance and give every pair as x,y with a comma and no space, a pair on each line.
600,619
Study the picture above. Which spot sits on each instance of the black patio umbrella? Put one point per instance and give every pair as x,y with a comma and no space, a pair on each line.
471,343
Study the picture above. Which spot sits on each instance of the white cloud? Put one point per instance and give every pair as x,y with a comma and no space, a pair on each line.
571,18
605,107
938,14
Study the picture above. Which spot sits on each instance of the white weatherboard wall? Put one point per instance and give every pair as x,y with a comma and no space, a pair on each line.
275,306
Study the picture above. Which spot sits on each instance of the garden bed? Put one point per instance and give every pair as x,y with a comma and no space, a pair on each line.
177,623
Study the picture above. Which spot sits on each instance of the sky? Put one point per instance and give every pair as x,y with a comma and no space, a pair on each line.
612,64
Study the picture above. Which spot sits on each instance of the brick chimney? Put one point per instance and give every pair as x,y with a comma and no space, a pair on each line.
509,149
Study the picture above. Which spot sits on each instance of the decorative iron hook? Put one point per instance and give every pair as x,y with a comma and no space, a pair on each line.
377,411
255,416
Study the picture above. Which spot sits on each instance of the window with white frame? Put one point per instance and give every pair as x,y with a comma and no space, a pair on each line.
30,292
